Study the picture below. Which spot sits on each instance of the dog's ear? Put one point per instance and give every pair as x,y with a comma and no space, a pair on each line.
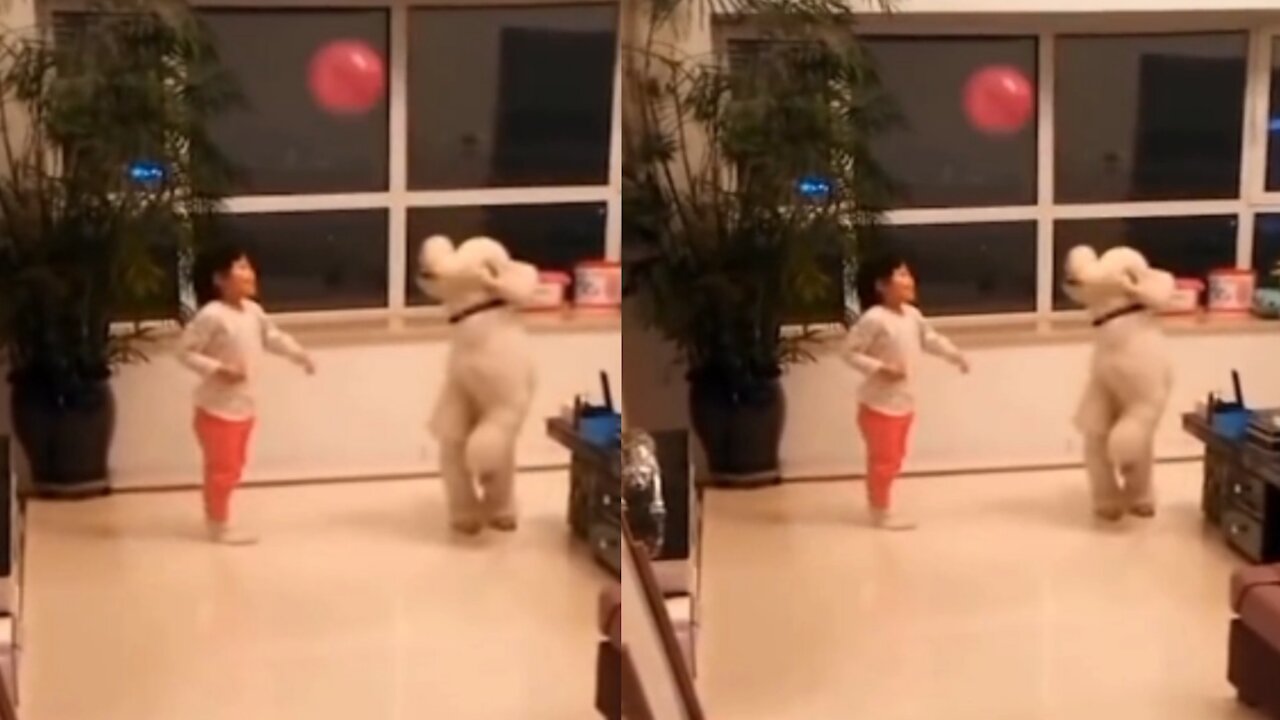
1081,256
493,268
1080,264
436,252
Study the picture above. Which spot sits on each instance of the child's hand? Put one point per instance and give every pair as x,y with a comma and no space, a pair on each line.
230,373
893,371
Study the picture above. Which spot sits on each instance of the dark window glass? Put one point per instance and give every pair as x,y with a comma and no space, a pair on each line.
1149,117
1185,246
315,260
1273,123
935,155
282,141
510,96
969,269
1266,247
553,237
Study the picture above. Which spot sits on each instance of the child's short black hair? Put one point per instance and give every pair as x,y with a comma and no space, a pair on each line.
873,269
211,262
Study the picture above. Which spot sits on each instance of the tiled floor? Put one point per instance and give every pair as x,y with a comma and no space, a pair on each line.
356,605
1007,604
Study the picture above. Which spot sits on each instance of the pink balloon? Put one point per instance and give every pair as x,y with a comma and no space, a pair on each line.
347,77
998,100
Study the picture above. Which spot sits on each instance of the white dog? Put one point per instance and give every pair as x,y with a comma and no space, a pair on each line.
1130,378
490,379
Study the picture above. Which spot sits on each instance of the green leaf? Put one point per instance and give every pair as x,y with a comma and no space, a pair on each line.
79,241
720,249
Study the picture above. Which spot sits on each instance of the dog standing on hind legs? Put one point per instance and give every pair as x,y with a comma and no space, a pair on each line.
1130,376
490,377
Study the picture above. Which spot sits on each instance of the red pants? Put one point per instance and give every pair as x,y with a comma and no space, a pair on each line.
886,440
225,444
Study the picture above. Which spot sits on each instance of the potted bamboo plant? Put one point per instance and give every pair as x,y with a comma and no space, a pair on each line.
108,171
746,186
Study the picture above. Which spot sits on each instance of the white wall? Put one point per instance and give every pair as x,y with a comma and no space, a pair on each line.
363,415
1014,410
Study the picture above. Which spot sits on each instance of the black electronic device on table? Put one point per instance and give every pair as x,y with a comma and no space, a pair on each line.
1230,418
1264,430
1241,485
595,492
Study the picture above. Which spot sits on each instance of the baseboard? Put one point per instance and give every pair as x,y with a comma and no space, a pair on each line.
139,484
852,473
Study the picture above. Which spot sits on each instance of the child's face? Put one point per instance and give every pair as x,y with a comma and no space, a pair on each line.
239,282
899,288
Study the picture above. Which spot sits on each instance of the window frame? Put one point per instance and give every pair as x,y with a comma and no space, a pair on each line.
1047,29
399,199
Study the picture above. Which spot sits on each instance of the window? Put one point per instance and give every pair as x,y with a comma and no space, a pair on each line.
1273,124
1266,245
510,97
935,154
944,159
484,119
281,140
970,268
311,261
1184,246
1149,117
1118,135
558,235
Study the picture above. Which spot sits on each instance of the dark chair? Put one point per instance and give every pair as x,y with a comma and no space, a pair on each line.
1254,650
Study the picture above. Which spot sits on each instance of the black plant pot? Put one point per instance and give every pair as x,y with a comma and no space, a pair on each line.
740,430
67,439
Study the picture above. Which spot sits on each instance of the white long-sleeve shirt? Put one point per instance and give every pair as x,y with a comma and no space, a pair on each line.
227,336
882,336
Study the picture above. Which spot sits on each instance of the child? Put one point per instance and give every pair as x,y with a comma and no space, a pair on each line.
885,344
224,345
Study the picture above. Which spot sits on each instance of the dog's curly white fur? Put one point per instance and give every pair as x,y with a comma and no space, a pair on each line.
1130,377
489,383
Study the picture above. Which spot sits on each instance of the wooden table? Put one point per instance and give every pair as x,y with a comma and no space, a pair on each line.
1241,491
595,497
595,493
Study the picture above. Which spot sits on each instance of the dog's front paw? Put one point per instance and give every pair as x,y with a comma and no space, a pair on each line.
504,523
467,526
1143,510
1108,513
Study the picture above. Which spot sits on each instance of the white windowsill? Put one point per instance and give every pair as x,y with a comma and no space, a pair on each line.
371,326
1067,327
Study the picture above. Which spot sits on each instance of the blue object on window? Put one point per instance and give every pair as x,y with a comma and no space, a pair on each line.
1274,125
814,187
146,172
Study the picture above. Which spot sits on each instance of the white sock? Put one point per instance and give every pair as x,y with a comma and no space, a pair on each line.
888,520
227,534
